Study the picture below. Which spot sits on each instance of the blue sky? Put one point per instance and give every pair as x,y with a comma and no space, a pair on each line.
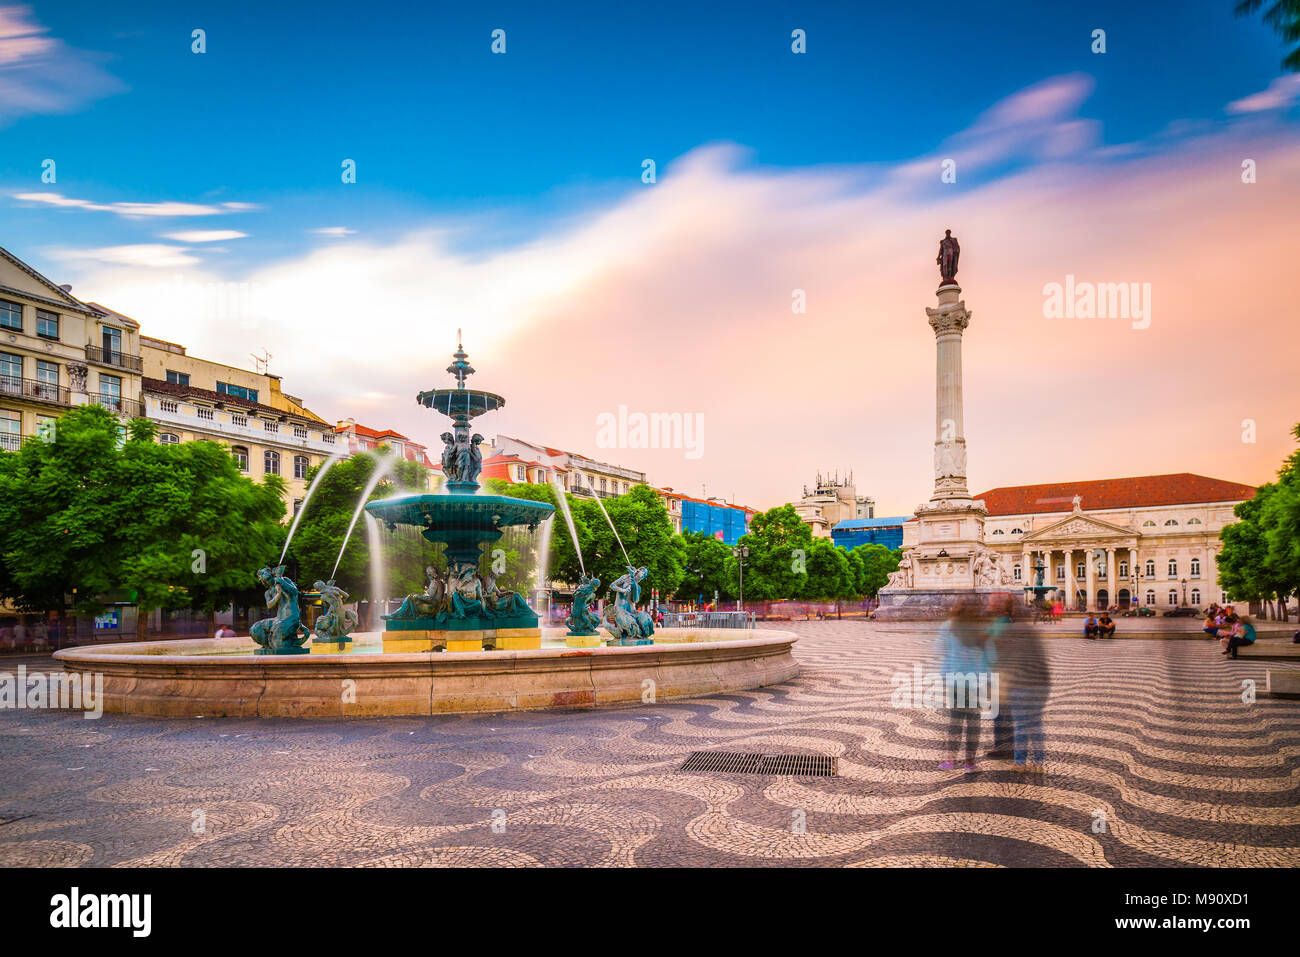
585,92
503,194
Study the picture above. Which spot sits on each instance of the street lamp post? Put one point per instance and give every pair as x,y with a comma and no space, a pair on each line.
1136,580
1184,591
741,552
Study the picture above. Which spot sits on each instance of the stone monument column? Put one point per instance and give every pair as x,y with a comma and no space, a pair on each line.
949,320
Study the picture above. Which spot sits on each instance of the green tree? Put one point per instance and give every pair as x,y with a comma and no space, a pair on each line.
872,564
316,544
779,546
1284,17
709,568
102,510
1260,558
830,575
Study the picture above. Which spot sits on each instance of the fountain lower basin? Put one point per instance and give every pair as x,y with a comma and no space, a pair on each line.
219,677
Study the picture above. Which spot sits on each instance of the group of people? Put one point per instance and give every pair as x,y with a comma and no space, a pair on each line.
1232,630
19,637
1013,665
1099,626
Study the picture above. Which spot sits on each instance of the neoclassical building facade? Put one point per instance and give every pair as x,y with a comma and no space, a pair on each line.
1103,543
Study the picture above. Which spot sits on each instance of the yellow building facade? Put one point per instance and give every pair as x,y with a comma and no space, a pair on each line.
268,431
57,352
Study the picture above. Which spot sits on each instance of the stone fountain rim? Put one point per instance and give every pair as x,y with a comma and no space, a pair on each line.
125,652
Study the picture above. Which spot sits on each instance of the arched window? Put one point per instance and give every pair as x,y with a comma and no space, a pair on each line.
1173,597
1148,524
271,462
1151,598
1196,568
1151,568
1017,531
1172,521
1122,571
241,457
1016,572
1173,568
998,531
1196,596
1193,521
168,438
300,466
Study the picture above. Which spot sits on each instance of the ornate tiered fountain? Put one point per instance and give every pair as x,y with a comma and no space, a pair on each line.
497,658
462,610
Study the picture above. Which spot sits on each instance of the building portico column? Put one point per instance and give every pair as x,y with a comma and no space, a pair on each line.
1026,573
1067,588
1112,584
1090,578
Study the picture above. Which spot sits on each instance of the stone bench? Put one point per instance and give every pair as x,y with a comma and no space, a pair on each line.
1283,683
1270,648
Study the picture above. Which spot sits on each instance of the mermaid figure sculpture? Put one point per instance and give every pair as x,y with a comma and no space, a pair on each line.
582,621
284,633
627,625
337,621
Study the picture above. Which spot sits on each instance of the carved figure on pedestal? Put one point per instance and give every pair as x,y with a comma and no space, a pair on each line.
902,577
428,604
284,633
582,621
501,602
337,622
624,622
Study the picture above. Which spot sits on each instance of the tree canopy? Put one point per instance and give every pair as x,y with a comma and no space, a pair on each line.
1260,559
102,511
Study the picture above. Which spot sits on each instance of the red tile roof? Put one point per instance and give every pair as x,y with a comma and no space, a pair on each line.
234,401
1182,488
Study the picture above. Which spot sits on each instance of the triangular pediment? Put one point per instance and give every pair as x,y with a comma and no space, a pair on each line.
1076,526
22,278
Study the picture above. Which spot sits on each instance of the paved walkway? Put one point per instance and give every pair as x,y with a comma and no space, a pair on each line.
1150,738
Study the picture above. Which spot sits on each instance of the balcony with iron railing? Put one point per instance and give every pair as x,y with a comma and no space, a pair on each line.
35,389
115,403
109,357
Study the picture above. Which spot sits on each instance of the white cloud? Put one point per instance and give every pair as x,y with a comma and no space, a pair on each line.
41,74
205,235
151,255
134,210
337,232
1280,94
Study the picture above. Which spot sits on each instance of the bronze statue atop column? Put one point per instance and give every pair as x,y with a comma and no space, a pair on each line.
949,250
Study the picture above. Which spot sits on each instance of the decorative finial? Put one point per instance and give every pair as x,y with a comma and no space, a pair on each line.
460,368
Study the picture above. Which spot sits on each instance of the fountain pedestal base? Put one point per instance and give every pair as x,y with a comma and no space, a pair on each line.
411,640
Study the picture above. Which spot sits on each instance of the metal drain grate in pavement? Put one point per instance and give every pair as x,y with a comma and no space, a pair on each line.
731,762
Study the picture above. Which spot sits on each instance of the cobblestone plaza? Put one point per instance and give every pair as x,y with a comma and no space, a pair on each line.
1154,758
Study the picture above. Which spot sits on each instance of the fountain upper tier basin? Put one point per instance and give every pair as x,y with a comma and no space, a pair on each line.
460,511
460,403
